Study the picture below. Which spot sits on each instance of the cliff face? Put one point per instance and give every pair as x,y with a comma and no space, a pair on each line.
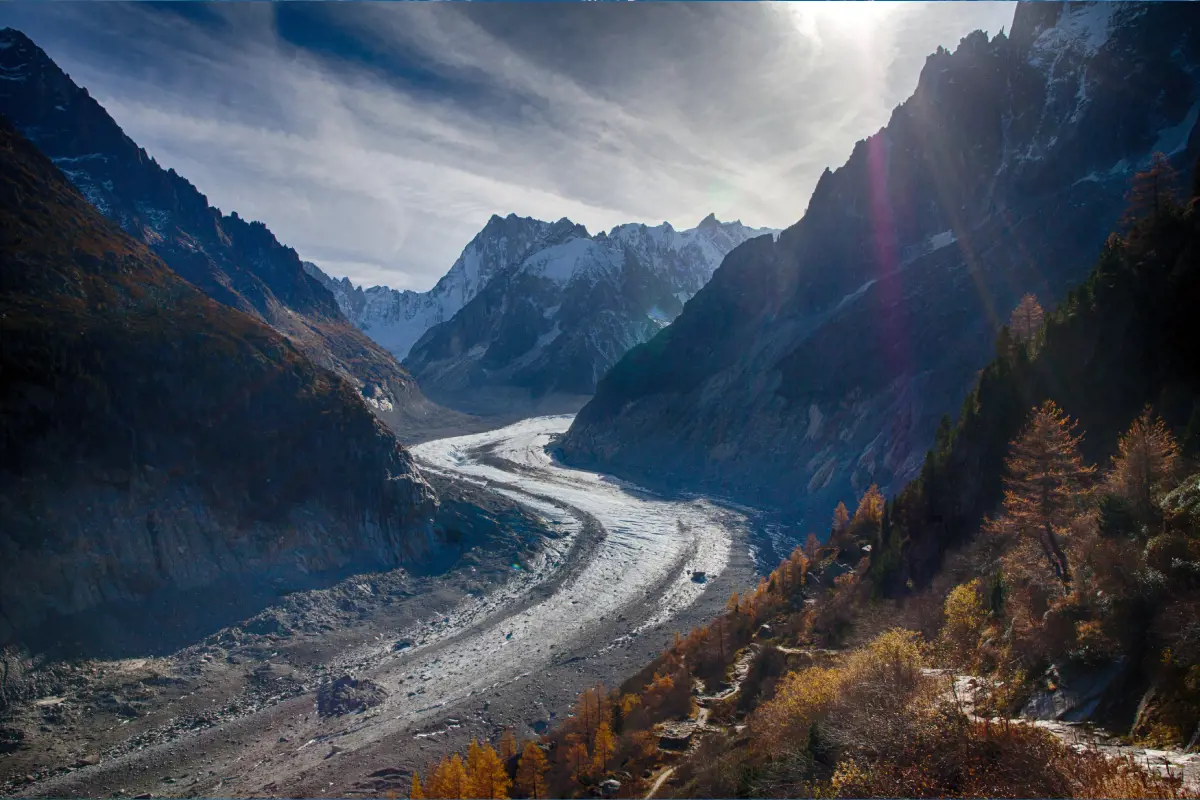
814,365
152,438
237,263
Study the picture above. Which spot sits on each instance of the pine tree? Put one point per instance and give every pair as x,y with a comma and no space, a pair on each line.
415,792
1145,465
1026,320
1044,485
605,746
508,744
531,772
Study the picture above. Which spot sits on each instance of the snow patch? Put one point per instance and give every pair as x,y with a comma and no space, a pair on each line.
1082,27
940,240
857,293
1174,139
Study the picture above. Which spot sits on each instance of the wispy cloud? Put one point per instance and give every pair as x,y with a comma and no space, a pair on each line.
376,139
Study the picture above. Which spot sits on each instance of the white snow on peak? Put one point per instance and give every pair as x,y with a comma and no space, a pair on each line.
561,255
1082,27
562,262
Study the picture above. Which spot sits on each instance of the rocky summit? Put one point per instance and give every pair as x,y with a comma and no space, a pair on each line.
814,365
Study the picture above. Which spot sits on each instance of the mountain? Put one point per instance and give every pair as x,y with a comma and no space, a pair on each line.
814,365
396,319
236,262
153,439
553,322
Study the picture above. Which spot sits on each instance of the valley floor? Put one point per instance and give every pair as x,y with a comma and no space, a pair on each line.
491,644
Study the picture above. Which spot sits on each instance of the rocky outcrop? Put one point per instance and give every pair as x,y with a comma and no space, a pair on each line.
236,262
151,438
812,366
556,321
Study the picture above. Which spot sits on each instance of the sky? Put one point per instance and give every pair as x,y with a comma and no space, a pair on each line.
378,138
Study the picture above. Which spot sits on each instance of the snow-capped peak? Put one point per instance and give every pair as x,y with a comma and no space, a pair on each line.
561,252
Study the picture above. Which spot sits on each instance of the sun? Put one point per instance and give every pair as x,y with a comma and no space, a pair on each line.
847,19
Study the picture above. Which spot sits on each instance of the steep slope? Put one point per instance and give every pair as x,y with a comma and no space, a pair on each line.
1126,338
555,322
151,438
396,319
237,263
812,366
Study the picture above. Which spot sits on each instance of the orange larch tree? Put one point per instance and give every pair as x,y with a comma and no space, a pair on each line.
1045,484
1026,319
1145,465
531,772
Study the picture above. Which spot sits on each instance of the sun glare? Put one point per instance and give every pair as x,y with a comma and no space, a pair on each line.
854,19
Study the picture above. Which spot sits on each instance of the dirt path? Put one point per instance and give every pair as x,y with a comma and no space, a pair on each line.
663,777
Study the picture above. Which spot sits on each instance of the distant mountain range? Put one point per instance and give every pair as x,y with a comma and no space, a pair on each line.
811,366
534,308
397,319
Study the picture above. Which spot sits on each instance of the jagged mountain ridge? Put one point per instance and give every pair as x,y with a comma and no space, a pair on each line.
153,439
238,263
809,367
556,320
396,319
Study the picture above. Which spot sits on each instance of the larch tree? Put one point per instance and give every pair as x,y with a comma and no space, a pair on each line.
733,604
1026,319
488,777
449,780
433,787
415,792
578,760
474,758
589,708
841,518
1045,484
1145,465
869,514
605,746
1151,190
531,772
812,547
508,744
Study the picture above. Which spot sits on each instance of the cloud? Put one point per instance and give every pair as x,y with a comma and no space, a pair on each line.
376,139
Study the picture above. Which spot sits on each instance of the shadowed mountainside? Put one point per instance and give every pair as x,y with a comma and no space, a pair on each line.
154,438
